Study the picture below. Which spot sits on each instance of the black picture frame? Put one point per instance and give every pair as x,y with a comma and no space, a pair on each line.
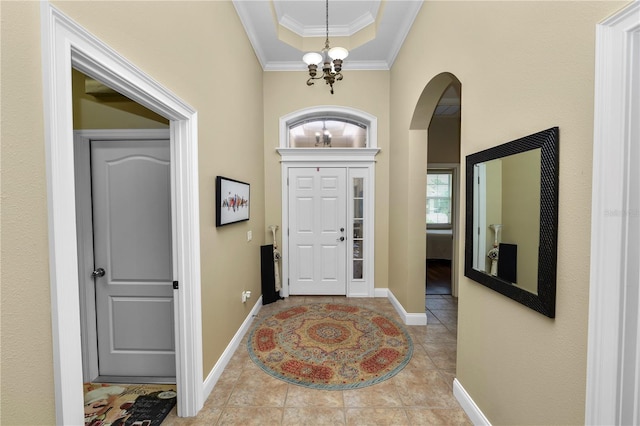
545,299
232,201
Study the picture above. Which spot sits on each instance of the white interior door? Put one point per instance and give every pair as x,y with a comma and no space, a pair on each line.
317,231
131,191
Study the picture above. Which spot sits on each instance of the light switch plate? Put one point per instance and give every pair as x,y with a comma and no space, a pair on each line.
249,235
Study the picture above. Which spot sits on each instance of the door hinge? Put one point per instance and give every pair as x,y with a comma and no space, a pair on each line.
175,285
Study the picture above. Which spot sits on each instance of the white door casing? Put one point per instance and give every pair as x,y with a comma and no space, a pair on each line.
65,44
613,351
317,231
359,163
457,181
479,216
131,194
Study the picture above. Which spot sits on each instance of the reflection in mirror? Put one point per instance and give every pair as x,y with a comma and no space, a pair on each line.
507,217
328,132
512,216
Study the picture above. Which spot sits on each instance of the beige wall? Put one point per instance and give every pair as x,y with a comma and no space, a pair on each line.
444,140
169,41
521,213
286,92
524,67
109,112
26,358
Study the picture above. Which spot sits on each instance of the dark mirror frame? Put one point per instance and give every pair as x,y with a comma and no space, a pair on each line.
545,301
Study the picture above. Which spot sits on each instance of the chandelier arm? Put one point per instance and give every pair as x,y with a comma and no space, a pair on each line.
310,81
320,77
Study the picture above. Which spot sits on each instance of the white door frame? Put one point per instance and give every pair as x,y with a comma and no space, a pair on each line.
65,44
456,185
84,222
349,158
613,354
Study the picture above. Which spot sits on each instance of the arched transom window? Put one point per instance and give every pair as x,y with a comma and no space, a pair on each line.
327,132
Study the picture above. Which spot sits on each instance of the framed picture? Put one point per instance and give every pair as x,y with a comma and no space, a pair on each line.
232,201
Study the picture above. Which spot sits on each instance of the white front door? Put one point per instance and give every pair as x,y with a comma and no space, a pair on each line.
131,193
317,231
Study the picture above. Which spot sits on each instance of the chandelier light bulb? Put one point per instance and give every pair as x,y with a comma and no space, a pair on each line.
312,58
338,53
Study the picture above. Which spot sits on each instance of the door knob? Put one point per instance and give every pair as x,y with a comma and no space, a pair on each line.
341,229
340,239
98,273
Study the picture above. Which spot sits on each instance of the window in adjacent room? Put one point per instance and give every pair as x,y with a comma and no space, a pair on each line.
439,198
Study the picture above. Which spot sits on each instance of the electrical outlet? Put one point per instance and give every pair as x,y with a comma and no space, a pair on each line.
245,295
249,235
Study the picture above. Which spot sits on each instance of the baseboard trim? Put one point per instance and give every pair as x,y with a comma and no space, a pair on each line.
408,318
381,292
219,367
476,416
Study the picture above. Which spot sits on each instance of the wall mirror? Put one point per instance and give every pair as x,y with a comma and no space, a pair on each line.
512,219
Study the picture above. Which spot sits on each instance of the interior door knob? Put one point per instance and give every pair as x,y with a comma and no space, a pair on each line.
98,273
340,239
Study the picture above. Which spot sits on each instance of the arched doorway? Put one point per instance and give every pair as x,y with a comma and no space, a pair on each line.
437,119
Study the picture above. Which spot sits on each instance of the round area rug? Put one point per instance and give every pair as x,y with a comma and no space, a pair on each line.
330,346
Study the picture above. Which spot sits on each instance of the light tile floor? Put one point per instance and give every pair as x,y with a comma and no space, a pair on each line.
421,394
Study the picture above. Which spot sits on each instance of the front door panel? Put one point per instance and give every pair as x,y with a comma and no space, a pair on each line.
317,237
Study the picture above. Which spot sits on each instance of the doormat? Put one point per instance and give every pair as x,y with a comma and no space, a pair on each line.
330,346
127,405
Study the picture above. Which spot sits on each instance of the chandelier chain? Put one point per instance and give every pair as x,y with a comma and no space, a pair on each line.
327,21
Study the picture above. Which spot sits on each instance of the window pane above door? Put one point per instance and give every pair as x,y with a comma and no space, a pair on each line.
328,133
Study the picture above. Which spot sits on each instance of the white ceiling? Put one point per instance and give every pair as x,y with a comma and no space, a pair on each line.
372,30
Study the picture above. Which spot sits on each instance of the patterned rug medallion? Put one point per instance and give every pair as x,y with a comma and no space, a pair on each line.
330,346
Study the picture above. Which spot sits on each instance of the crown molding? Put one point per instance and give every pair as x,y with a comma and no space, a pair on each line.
403,31
346,67
242,10
321,30
394,24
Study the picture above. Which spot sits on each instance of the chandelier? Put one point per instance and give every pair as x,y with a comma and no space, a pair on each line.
330,70
325,135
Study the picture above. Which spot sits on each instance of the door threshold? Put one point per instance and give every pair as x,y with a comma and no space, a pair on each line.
134,380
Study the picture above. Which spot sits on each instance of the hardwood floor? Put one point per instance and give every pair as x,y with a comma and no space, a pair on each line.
438,276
